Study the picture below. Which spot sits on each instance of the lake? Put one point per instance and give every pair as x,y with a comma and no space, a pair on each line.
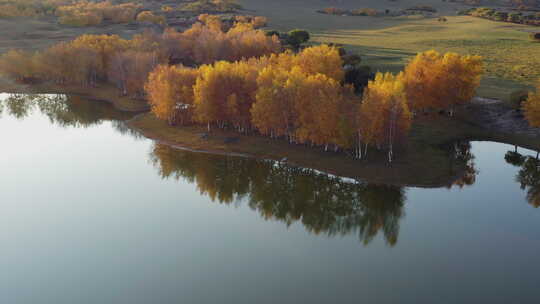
94,213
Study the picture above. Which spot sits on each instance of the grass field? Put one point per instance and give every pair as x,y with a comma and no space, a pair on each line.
387,43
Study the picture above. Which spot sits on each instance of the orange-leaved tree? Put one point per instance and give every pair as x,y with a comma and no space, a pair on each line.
170,92
437,81
531,107
384,117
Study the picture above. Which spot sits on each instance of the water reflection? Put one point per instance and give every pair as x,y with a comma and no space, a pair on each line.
528,176
461,151
66,110
324,204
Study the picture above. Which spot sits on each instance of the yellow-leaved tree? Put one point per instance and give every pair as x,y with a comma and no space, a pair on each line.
384,118
437,81
321,59
170,93
531,107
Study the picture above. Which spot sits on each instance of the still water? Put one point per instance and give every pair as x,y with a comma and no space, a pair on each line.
93,213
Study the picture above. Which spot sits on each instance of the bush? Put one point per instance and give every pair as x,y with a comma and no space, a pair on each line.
81,19
333,11
93,13
212,6
535,36
365,12
422,8
149,17
297,37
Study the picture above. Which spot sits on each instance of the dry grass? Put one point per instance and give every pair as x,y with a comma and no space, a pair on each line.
387,43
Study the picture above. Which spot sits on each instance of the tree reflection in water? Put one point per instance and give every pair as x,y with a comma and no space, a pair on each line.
461,152
528,176
67,111
324,204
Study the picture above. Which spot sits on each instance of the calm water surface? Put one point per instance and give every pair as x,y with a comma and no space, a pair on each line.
93,213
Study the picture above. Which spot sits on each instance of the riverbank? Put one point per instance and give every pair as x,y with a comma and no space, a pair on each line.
428,166
427,160
103,93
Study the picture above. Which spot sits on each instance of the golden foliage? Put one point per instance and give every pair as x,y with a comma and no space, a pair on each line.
170,92
438,81
149,17
384,117
84,13
531,107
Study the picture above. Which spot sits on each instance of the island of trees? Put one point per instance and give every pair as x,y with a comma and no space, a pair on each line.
234,75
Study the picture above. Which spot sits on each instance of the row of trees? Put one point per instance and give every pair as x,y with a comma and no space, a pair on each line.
30,8
84,13
531,18
91,59
301,97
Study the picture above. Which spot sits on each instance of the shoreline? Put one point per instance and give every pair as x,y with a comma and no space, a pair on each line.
423,163
373,170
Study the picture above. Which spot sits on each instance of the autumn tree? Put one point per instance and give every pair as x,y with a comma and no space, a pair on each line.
149,17
436,81
15,64
321,59
531,107
225,92
274,111
384,117
170,93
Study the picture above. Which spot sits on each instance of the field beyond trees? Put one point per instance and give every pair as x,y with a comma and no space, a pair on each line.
511,58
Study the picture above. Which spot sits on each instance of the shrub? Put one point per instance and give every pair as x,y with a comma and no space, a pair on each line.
93,13
297,37
81,19
333,11
365,12
535,36
149,17
205,6
422,8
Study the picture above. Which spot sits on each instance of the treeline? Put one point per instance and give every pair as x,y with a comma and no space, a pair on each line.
211,6
354,12
325,204
29,8
85,13
72,12
419,9
499,15
301,97
91,59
